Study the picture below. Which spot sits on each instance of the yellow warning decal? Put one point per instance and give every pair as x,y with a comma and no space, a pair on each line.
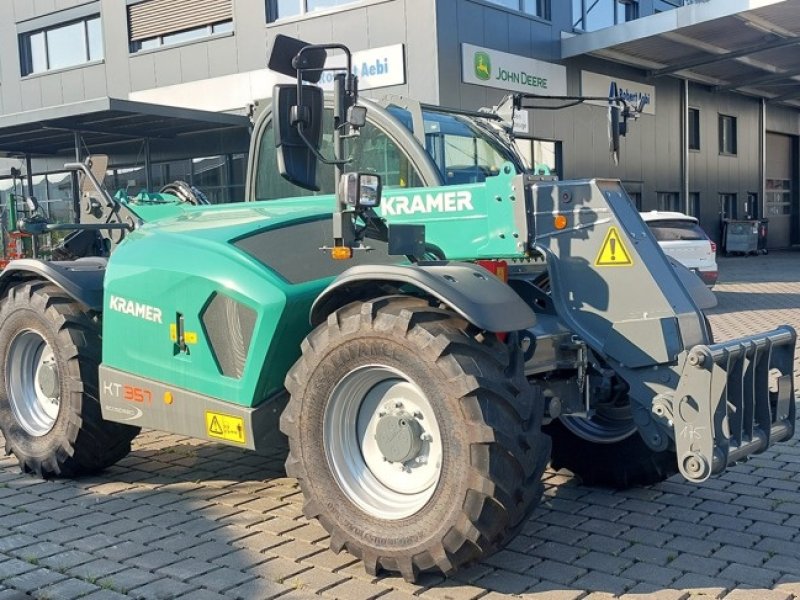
613,252
225,427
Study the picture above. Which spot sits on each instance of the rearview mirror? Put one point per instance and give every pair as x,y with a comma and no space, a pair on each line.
294,120
614,122
361,190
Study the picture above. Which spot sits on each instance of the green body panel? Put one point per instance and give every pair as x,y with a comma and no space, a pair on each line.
184,255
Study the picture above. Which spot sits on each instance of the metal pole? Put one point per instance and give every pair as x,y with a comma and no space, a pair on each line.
148,179
685,146
76,188
29,181
762,158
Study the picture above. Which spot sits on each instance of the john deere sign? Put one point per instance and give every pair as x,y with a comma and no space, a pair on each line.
512,72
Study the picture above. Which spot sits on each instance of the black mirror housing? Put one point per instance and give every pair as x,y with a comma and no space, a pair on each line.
284,58
297,162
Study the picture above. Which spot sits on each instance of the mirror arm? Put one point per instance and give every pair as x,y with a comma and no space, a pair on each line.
316,152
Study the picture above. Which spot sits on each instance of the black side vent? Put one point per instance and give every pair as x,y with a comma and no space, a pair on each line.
229,326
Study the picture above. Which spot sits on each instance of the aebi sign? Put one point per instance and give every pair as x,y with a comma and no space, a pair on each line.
375,68
595,84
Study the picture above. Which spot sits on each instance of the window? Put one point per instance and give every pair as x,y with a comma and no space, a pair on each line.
728,207
590,15
694,204
779,197
281,9
753,207
670,201
727,134
538,8
372,151
694,128
636,199
156,23
62,46
674,230
542,156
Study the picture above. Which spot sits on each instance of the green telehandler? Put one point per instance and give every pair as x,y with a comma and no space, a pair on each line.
420,334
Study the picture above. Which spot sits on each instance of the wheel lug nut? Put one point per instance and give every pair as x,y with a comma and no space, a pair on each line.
398,405
426,437
382,413
417,414
421,460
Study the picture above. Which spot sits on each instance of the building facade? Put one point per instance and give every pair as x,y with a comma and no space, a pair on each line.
718,137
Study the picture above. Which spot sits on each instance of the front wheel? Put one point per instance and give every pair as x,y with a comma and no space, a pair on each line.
415,439
49,412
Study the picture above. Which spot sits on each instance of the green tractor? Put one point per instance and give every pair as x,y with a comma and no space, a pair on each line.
420,334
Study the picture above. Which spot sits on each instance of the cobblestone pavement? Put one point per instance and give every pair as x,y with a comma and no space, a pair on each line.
181,518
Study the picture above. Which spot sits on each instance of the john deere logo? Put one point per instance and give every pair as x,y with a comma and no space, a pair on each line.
483,66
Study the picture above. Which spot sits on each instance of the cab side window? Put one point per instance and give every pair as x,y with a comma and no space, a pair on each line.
373,151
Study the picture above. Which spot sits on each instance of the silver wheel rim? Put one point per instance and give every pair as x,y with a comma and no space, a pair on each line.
33,383
382,488
601,427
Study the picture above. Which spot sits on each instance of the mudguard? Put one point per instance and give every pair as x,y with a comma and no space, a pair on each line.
469,290
82,279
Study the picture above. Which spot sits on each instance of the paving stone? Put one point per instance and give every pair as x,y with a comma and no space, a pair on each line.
32,580
127,580
505,582
758,595
451,590
67,559
222,578
13,567
96,569
68,589
601,561
558,551
649,573
603,582
278,569
752,576
354,589
186,569
561,573
649,554
737,554
162,589
258,588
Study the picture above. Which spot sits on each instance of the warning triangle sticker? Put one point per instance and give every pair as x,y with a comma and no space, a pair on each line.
215,427
613,252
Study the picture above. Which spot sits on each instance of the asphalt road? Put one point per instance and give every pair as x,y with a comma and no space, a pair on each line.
182,518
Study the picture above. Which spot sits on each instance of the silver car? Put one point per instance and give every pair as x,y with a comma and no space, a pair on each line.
682,238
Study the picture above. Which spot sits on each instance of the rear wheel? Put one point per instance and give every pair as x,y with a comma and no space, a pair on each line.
415,439
49,412
608,452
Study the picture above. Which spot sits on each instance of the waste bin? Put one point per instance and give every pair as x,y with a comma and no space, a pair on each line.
762,235
741,236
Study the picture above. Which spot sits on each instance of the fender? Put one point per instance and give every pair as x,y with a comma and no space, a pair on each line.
467,289
82,279
702,296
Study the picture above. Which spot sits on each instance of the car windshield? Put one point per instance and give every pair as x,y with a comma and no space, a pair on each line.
465,149
673,230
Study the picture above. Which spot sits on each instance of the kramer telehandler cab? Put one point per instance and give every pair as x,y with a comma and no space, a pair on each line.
418,389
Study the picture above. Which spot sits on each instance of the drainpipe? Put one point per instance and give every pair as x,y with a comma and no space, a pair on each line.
148,178
29,181
76,189
685,145
762,157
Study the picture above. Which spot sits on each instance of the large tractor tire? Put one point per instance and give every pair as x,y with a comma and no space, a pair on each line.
416,440
49,410
607,455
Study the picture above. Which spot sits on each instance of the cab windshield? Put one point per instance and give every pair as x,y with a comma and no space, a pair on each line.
465,148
